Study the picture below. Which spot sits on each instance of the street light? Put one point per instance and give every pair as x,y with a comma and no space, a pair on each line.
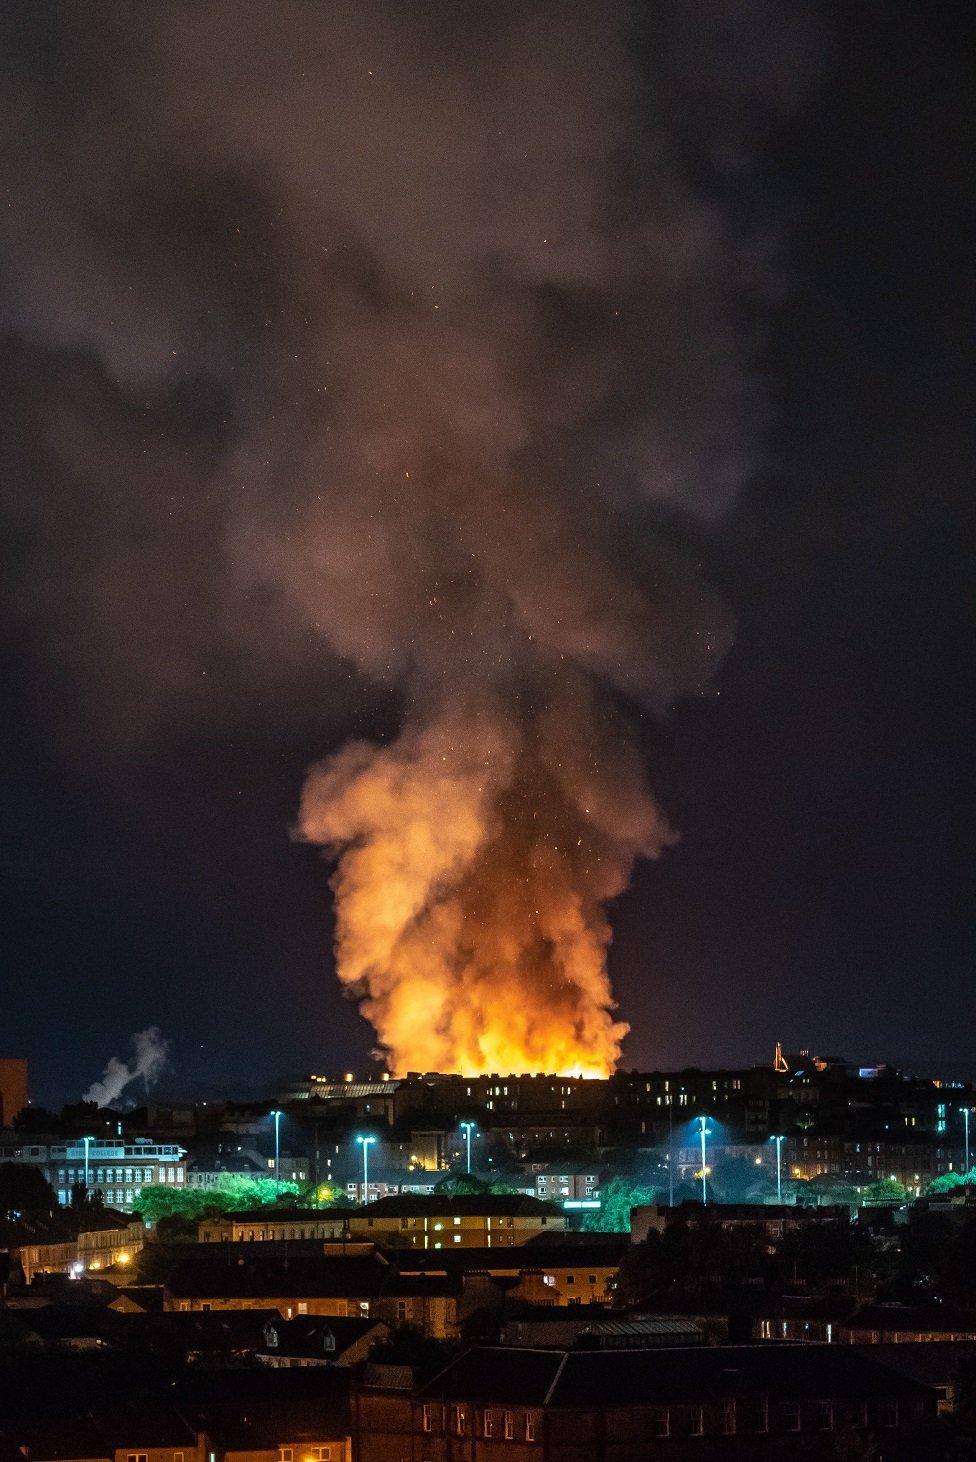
703,1132
779,1167
965,1118
87,1141
365,1143
277,1121
467,1128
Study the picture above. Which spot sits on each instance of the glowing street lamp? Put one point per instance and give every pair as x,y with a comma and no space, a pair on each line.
467,1128
703,1133
779,1167
965,1118
87,1141
277,1121
365,1143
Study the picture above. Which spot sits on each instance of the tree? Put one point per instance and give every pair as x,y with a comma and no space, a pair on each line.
35,1120
233,1192
617,1198
470,1184
885,1190
951,1182
24,1190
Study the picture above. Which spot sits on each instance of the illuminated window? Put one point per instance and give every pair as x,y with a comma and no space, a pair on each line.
509,1425
530,1427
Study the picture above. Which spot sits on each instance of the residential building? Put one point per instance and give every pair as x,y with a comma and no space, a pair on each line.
239,1276
209,1166
493,1220
273,1224
773,1219
545,1272
555,1183
309,1341
59,1244
626,1405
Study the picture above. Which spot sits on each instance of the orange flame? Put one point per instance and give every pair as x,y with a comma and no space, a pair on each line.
475,857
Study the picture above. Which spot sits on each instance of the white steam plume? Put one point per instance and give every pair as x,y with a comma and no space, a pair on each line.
151,1052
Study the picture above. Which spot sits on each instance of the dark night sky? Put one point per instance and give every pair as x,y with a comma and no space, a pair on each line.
819,891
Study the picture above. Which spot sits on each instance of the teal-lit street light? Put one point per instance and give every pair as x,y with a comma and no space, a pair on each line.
365,1143
277,1121
87,1141
703,1133
779,1167
467,1128
965,1120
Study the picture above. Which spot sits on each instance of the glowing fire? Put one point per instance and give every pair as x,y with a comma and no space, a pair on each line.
476,855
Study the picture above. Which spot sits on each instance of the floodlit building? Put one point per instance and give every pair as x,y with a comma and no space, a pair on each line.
118,1168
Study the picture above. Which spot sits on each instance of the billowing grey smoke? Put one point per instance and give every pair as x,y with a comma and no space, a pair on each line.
150,1054
408,340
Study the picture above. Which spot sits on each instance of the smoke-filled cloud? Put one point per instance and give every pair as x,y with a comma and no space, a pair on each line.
150,1054
381,336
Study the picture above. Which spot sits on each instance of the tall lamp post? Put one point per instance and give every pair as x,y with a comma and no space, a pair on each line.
87,1141
965,1119
670,1154
779,1167
277,1121
365,1143
467,1128
703,1132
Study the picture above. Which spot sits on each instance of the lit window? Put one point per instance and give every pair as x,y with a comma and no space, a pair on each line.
530,1428
509,1425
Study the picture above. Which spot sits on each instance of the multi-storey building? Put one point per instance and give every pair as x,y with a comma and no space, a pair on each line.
119,1169
864,1161
13,1088
755,1401
489,1221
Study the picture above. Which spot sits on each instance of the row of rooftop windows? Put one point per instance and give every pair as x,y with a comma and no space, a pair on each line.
748,1415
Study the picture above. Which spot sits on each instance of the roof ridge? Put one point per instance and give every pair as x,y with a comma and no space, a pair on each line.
555,1380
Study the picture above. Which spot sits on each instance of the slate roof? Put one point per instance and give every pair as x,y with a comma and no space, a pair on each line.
311,1277
930,1362
271,1214
305,1335
600,1380
532,1257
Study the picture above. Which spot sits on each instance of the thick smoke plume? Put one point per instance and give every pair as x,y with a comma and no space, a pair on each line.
406,340
150,1054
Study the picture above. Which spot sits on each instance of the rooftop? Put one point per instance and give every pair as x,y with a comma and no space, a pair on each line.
463,1205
